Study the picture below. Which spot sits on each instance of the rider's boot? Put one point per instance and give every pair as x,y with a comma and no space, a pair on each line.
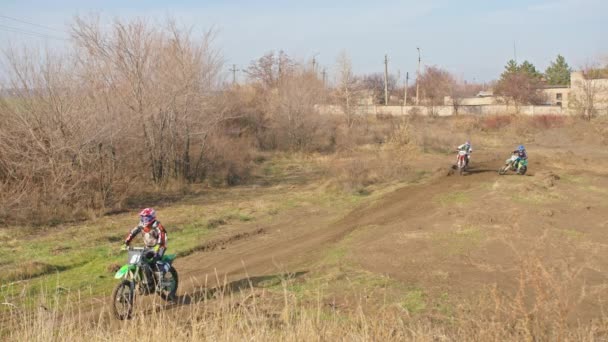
162,269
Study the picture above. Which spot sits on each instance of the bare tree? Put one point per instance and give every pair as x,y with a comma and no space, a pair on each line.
269,69
462,90
134,103
588,93
520,84
375,84
281,106
347,88
435,83
295,116
164,79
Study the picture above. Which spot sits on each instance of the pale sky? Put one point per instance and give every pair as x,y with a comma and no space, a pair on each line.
471,38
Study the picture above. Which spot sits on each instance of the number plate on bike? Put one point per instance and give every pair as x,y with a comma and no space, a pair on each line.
134,257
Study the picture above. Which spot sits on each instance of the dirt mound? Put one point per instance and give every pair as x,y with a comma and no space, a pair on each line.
549,178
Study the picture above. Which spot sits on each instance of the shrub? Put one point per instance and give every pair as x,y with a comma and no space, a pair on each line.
547,121
496,122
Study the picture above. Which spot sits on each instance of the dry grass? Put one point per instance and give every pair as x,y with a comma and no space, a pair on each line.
538,311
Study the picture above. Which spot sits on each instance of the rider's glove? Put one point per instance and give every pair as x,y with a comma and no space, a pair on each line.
156,257
124,247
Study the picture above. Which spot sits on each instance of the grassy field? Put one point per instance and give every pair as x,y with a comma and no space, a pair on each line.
81,258
364,245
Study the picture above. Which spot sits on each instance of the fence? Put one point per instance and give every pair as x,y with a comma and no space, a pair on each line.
447,110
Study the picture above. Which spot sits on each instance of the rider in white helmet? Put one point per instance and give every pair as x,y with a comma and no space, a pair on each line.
467,148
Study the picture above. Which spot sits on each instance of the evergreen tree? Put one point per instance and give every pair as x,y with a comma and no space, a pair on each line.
520,83
510,69
558,73
530,69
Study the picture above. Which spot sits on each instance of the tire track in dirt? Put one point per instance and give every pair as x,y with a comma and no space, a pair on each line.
221,243
297,239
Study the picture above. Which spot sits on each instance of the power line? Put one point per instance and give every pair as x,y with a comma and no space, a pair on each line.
29,33
29,23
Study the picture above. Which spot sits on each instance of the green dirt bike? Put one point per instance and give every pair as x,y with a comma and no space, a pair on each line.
138,276
520,166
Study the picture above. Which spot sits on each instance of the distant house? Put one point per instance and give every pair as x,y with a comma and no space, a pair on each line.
589,93
485,93
556,95
483,98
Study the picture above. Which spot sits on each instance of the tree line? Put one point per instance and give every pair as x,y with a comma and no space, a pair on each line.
132,108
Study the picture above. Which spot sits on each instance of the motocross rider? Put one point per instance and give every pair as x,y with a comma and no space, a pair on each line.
467,148
521,154
155,238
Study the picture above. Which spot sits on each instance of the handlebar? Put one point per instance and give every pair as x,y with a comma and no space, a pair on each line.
130,248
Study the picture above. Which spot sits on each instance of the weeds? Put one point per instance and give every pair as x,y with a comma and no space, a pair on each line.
496,122
274,308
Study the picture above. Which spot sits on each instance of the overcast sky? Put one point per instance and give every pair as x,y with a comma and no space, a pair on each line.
471,38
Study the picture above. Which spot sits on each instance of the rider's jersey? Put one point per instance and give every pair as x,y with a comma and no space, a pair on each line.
465,147
521,154
153,235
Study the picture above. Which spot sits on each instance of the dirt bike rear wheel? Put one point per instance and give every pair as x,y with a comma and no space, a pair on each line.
172,276
123,297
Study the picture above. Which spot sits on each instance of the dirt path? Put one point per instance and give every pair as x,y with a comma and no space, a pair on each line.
450,234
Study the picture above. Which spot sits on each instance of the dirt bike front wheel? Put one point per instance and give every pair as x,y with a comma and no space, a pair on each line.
123,298
172,280
522,170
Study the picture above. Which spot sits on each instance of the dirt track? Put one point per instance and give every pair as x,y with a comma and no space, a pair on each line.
449,234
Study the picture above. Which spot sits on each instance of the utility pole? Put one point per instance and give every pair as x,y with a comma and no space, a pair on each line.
314,64
324,74
407,78
280,62
234,70
386,80
418,78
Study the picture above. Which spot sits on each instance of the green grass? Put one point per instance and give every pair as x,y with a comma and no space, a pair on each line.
80,258
572,234
443,305
414,301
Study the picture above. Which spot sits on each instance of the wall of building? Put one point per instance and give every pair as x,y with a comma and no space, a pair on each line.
447,110
557,96
573,99
582,89
472,101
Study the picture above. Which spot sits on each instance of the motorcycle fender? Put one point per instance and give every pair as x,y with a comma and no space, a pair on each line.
169,258
123,271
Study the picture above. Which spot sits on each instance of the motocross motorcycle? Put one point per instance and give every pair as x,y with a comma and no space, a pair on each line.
137,277
512,164
461,164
